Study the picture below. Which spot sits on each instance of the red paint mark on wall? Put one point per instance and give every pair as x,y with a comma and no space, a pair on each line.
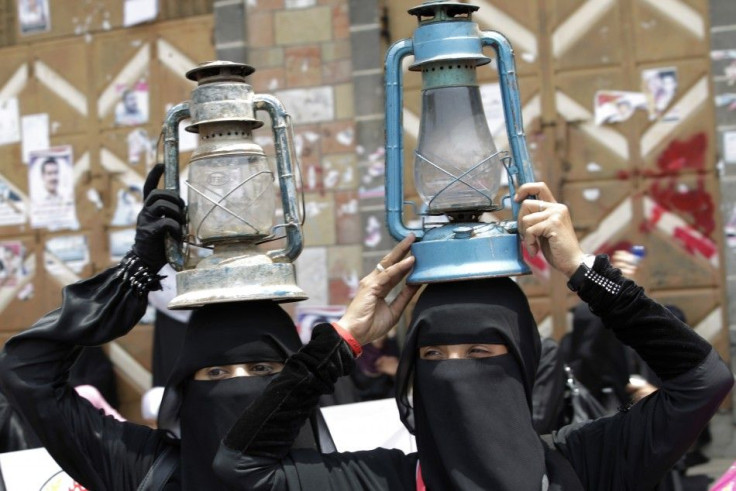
681,155
537,263
697,204
694,244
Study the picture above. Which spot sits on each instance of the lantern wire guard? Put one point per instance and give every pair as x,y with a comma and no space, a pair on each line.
231,195
460,181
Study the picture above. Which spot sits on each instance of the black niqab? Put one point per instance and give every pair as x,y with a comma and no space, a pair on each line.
202,411
472,417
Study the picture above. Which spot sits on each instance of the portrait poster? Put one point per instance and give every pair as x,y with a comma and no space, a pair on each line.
9,121
616,106
12,206
34,16
659,86
51,189
132,106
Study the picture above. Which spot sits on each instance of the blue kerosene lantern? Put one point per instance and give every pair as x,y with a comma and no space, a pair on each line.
457,168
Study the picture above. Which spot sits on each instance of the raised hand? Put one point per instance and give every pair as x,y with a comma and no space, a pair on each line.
162,213
545,225
369,316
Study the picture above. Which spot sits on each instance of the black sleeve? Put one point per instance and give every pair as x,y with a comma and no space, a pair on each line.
96,450
255,454
665,343
635,448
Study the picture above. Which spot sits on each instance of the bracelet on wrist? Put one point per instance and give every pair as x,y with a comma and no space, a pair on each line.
138,275
353,343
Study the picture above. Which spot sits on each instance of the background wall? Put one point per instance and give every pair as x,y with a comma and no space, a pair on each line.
723,66
646,181
643,180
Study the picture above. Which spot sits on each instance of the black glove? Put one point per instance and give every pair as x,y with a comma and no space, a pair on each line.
162,213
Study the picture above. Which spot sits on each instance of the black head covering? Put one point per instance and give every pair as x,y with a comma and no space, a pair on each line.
201,412
472,417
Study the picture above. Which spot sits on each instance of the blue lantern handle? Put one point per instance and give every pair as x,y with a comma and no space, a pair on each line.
395,141
520,168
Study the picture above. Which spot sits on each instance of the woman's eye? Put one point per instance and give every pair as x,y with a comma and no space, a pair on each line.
217,373
261,369
431,354
486,351
479,350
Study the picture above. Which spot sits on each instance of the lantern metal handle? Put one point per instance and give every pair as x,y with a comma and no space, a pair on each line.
520,169
395,141
521,166
174,249
287,184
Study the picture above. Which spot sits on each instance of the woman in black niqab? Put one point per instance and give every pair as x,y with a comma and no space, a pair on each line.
472,417
201,412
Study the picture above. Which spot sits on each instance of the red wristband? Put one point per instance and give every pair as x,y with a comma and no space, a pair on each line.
355,346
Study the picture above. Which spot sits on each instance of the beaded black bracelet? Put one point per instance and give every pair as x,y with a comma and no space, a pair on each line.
138,275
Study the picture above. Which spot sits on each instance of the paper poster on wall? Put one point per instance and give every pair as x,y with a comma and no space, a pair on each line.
35,134
66,253
121,241
730,229
729,147
308,105
615,106
141,148
12,206
187,141
9,121
128,204
33,16
660,87
308,316
12,270
139,11
132,108
51,189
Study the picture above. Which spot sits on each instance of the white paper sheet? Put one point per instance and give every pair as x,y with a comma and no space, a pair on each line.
9,121
35,134
139,11
729,147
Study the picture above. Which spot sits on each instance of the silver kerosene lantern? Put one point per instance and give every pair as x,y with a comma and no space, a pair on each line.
231,195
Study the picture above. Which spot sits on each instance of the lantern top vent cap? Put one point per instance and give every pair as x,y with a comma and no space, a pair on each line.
220,71
432,7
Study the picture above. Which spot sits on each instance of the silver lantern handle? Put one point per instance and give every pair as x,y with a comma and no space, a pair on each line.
287,184
174,249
